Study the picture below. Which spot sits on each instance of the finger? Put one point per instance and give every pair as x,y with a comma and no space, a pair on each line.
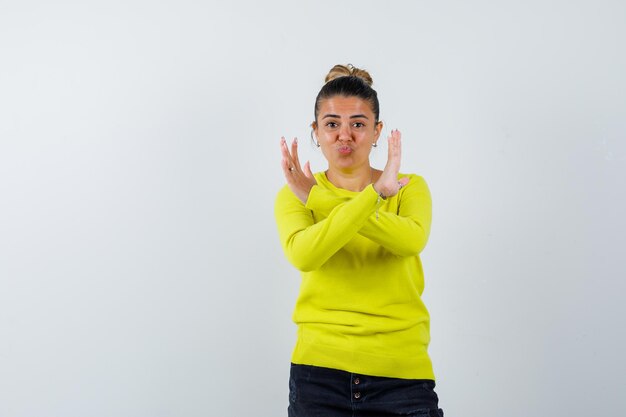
396,135
285,152
391,144
394,144
291,174
398,143
286,165
283,148
403,181
399,139
294,154
307,170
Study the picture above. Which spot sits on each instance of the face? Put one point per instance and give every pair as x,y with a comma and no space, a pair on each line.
346,129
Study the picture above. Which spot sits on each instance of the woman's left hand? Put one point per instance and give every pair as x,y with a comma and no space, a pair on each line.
388,184
299,181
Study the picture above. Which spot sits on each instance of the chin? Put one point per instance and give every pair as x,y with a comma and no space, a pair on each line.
346,165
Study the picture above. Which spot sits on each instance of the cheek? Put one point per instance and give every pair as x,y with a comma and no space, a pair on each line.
325,137
325,152
368,136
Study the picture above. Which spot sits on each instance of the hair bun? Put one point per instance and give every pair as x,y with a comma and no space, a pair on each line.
347,71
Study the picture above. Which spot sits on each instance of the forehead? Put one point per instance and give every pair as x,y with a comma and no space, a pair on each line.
345,106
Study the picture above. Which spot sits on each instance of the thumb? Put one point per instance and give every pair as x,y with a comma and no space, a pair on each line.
307,170
403,181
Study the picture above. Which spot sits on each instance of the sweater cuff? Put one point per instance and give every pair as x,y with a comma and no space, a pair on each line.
313,194
379,200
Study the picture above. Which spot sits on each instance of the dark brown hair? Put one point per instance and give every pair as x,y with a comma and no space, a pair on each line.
348,81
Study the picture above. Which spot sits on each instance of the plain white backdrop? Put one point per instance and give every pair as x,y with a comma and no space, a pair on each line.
140,269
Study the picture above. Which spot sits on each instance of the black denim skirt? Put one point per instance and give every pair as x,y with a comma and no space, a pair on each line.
324,392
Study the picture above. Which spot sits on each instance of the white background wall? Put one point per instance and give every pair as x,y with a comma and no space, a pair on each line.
140,270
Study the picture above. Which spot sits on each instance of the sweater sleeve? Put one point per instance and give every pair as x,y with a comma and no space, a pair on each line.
404,233
308,245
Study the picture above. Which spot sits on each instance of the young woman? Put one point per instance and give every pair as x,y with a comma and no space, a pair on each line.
355,233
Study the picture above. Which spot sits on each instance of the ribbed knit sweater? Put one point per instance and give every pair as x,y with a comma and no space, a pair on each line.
359,308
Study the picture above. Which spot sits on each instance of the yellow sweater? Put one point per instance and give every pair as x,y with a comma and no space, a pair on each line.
359,307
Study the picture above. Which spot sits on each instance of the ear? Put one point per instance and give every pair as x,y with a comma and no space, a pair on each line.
314,133
377,129
314,128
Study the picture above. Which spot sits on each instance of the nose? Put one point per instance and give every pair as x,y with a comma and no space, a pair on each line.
344,132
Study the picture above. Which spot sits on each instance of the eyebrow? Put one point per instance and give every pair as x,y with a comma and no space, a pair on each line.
336,116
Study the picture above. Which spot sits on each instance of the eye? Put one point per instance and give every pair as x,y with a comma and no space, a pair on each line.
332,125
358,124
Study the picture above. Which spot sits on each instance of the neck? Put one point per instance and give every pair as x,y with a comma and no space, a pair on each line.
351,180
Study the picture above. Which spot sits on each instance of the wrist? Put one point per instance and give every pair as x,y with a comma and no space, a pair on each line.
380,193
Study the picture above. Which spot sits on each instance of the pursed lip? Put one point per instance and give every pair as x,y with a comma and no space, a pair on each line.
344,149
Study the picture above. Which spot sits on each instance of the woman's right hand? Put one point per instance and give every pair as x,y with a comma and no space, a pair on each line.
299,181
388,184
